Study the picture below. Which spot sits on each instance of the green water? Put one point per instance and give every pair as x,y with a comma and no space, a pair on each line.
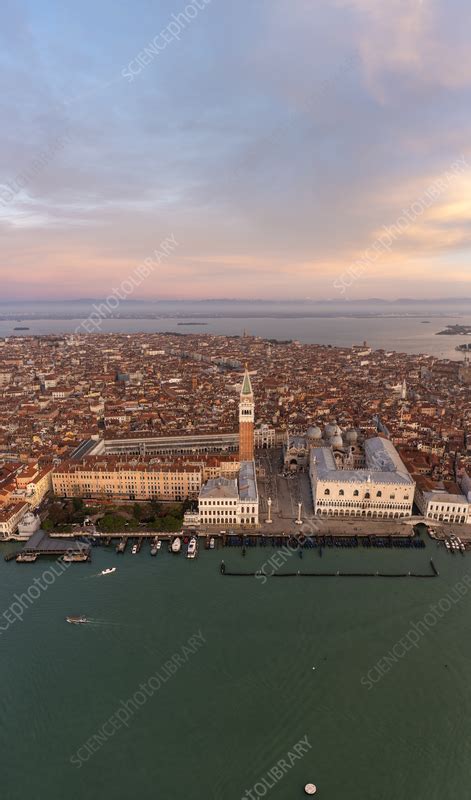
242,700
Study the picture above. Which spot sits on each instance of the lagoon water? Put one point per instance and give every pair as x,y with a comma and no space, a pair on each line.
406,327
243,699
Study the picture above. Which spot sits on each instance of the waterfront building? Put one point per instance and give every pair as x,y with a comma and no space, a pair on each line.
229,502
143,478
218,501
444,507
381,488
443,502
10,516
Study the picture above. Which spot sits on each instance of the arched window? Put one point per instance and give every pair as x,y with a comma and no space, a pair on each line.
327,491
341,493
379,494
356,493
367,496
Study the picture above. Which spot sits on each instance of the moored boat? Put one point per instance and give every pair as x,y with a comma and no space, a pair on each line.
176,545
192,547
69,557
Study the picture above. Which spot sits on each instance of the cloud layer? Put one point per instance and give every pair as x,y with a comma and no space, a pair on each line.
273,139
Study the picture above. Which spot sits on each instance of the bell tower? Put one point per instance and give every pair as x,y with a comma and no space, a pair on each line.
246,420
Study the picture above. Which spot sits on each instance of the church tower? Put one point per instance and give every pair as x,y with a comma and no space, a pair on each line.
246,420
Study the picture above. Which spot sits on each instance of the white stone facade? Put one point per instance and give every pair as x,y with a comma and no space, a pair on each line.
444,507
227,502
382,488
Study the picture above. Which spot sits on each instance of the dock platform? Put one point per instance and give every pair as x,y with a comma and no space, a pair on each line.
41,544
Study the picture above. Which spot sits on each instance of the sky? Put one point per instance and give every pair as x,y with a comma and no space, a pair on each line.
273,140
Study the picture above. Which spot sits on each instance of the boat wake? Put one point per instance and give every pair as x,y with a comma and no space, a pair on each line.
100,574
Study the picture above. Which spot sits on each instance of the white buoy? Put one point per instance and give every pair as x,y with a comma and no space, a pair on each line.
310,788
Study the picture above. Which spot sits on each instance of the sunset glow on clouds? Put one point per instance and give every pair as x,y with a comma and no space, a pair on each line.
274,140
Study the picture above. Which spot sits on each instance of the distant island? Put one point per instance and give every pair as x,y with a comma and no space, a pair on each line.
455,330
192,323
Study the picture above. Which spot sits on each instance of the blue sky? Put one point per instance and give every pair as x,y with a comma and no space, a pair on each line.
274,139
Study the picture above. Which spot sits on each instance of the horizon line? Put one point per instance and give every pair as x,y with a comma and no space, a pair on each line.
304,300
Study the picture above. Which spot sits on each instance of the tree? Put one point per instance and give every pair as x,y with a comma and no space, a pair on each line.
112,523
169,523
58,515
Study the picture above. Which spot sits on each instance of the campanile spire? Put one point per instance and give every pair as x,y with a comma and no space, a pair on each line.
246,419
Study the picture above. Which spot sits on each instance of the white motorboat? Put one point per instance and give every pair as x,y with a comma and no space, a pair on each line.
108,571
192,548
26,557
212,543
159,545
176,545
134,549
69,557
